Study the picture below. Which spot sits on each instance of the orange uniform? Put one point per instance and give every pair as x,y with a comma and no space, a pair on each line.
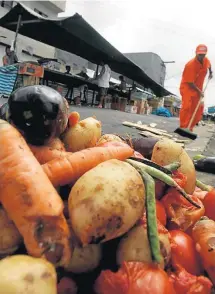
194,72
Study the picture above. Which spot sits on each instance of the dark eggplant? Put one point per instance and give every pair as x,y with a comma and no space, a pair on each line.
4,111
143,145
206,164
39,112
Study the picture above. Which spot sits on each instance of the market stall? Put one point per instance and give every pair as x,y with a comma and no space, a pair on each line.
75,35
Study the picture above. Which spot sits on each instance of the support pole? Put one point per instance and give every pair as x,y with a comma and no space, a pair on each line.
17,31
97,70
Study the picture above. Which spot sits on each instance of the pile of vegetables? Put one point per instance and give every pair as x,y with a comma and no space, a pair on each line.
83,212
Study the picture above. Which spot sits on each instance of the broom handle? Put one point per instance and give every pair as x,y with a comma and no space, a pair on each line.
197,107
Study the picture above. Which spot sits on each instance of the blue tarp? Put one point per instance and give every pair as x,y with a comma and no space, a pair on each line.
8,76
162,111
211,109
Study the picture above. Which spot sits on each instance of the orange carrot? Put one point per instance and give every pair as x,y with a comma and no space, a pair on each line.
45,154
31,200
68,169
204,235
74,118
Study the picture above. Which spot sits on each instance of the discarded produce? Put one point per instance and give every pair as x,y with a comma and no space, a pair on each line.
135,278
166,152
30,200
39,112
102,220
108,138
135,246
26,274
106,202
10,238
68,169
85,259
204,237
84,134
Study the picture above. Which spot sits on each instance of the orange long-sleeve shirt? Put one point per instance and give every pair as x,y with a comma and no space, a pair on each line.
194,72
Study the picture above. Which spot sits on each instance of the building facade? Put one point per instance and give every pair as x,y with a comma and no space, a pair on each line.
29,49
151,64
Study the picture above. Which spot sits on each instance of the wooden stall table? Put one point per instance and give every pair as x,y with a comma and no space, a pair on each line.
30,74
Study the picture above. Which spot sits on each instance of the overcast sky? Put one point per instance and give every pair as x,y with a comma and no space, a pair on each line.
169,28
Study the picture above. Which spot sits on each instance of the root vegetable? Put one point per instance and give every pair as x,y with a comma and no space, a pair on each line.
74,118
30,199
155,173
10,238
204,236
84,134
135,245
167,151
25,274
108,138
66,286
68,169
106,202
85,259
45,154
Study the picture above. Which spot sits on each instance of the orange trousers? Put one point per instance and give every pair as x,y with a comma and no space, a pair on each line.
189,103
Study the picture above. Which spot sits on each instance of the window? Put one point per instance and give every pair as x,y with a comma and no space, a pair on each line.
40,13
6,4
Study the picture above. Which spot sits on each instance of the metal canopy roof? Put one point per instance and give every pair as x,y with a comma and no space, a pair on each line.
73,34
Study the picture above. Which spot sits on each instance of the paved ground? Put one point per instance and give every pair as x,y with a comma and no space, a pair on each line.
112,123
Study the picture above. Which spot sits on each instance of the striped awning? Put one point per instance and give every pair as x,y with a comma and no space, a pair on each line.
8,76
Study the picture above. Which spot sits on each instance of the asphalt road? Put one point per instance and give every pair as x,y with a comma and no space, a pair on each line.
112,123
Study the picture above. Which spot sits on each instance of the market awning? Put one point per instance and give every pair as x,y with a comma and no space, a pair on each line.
75,35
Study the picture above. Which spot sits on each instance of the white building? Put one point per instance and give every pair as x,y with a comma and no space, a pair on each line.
28,49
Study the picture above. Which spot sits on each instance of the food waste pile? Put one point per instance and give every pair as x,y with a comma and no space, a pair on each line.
85,212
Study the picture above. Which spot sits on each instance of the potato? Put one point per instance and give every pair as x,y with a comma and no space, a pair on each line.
135,246
108,138
84,134
167,151
56,143
27,275
106,202
66,286
10,238
85,259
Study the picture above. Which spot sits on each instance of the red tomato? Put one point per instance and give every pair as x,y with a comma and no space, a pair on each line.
184,282
181,212
66,286
209,204
183,252
134,278
199,193
161,213
180,178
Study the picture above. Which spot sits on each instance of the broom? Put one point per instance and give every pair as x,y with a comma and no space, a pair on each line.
186,132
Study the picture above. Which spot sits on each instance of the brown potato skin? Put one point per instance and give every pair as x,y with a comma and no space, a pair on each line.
106,202
167,151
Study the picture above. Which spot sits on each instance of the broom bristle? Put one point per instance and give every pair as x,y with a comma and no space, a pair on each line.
185,133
